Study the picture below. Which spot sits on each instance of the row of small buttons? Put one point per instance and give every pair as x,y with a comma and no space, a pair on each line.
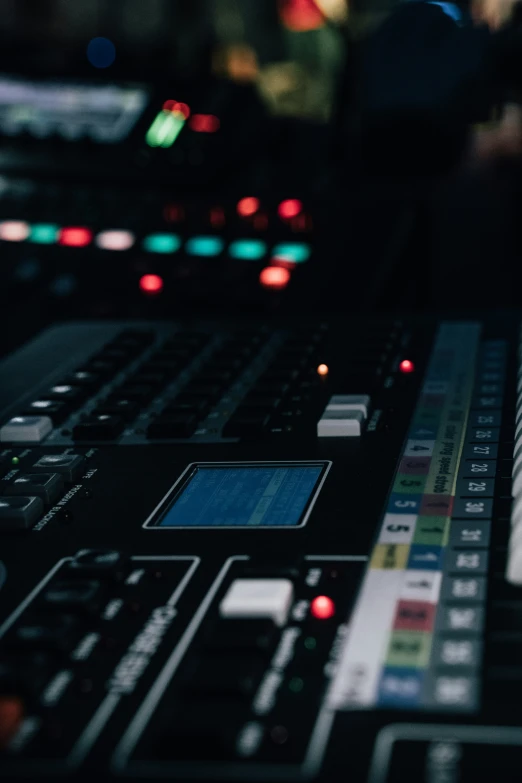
24,497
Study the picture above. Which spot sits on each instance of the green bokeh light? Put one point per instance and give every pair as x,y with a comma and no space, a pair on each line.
204,246
162,243
247,249
44,233
298,252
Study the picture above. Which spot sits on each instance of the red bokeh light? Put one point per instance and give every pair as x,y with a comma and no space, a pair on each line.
274,277
178,108
75,237
406,366
300,15
322,608
285,263
151,284
248,206
205,123
217,217
290,208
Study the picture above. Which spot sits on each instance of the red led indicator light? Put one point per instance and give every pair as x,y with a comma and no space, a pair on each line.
289,209
177,108
248,206
75,237
406,366
274,277
204,123
151,284
322,608
217,217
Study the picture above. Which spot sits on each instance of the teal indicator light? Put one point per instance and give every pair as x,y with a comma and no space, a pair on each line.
298,252
204,246
247,249
162,243
44,233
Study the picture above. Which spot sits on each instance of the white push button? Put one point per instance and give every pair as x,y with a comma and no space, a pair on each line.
26,429
255,598
350,402
340,424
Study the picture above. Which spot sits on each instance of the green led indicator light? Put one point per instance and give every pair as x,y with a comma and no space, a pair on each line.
15,461
296,685
204,246
162,243
310,643
247,249
165,129
298,252
44,233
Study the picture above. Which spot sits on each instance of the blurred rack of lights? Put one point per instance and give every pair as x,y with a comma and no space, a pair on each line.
283,254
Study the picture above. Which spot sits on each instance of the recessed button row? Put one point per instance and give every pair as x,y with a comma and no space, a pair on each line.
24,498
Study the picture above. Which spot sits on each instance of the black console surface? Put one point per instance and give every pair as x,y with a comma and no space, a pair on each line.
250,551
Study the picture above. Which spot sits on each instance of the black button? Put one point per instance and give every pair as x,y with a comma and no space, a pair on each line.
64,392
99,367
84,378
99,427
141,393
19,513
201,732
153,379
196,408
207,391
233,677
139,337
118,406
99,563
175,426
47,486
246,426
80,595
152,374
56,634
255,636
57,411
116,356
263,401
70,466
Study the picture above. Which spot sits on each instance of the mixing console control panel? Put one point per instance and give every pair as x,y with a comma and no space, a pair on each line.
270,552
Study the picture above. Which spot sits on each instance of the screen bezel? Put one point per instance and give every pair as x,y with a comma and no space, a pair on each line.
175,492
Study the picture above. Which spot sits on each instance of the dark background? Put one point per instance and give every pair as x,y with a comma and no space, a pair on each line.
283,79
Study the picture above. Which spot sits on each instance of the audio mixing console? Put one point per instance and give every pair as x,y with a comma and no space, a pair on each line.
240,551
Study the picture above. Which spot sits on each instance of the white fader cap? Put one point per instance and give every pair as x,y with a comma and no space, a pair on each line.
257,599
26,429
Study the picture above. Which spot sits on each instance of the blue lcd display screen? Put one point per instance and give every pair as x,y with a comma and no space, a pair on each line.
245,496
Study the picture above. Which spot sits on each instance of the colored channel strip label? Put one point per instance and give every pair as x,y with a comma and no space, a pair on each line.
414,638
